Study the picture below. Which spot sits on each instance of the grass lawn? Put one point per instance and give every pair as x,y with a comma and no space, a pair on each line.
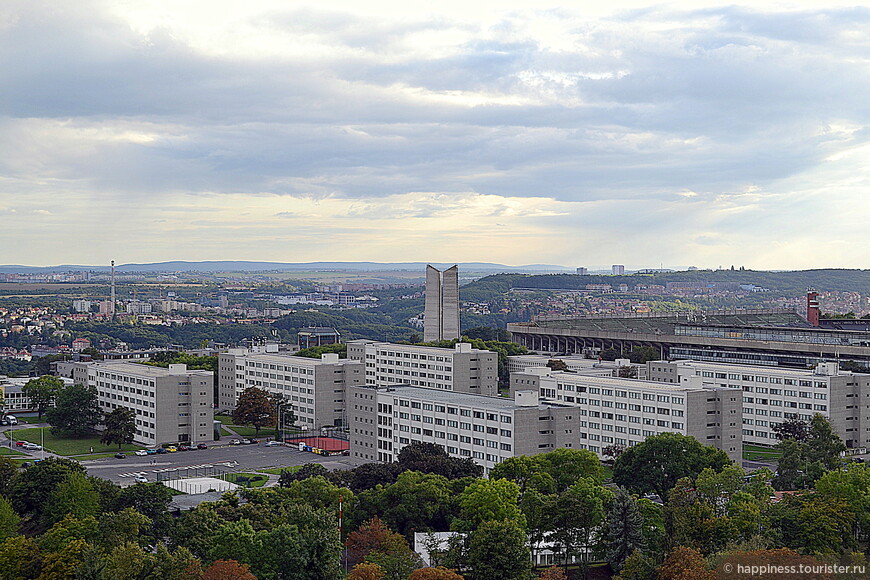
242,479
63,446
278,470
608,472
7,451
760,453
243,430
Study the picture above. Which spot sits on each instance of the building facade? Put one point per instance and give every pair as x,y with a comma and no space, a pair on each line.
315,387
441,312
624,412
772,395
383,420
462,369
171,405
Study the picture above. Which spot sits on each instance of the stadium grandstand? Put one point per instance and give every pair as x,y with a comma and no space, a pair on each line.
771,337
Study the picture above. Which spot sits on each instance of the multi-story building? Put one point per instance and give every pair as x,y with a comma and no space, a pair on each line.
172,405
772,395
462,369
315,387
441,312
383,420
615,411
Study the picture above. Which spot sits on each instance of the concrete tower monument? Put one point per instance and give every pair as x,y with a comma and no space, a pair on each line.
441,316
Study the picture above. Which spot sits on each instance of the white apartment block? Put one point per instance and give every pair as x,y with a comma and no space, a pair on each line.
579,364
172,405
615,411
772,395
462,369
315,387
383,420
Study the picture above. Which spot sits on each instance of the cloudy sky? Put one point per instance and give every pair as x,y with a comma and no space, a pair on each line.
580,133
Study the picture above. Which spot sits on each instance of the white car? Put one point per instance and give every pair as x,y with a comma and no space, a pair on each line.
32,446
141,453
273,443
140,479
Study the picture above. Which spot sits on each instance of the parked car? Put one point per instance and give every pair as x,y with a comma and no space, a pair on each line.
32,446
172,449
184,448
10,420
235,442
160,450
20,443
151,451
140,479
202,446
273,443
246,441
253,441
141,452
120,455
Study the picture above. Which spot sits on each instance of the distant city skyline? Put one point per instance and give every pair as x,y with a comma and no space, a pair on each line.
698,133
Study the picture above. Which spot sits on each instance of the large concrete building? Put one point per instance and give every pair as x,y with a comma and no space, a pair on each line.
624,412
314,387
383,420
772,395
768,337
172,405
462,369
441,313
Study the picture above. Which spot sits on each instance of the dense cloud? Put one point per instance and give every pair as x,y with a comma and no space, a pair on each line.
660,134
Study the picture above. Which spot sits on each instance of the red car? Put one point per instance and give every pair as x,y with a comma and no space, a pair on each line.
202,446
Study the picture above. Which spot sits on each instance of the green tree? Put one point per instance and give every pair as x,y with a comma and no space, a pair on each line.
852,485
498,550
149,499
19,558
487,500
823,445
42,392
577,518
661,460
128,561
255,408
792,429
8,472
31,491
120,427
568,466
9,520
74,495
624,529
638,566
177,565
790,468
76,413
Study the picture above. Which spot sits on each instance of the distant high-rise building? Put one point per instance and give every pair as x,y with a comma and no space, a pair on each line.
617,270
441,319
582,271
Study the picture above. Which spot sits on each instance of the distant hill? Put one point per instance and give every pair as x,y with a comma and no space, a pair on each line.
793,283
243,266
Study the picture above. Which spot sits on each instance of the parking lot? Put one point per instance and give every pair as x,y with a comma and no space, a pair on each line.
236,458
